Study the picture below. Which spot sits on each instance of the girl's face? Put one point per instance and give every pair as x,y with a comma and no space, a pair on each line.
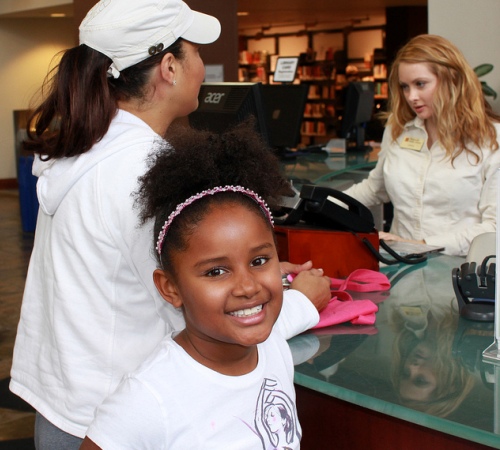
419,85
228,280
189,79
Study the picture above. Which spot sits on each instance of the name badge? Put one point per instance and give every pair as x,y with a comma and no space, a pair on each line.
412,143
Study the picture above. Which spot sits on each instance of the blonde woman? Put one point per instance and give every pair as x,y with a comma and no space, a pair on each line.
439,153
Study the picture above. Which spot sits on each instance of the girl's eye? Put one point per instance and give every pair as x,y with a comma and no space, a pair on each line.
420,84
404,87
215,272
259,261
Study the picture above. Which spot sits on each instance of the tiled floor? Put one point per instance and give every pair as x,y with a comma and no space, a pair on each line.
16,417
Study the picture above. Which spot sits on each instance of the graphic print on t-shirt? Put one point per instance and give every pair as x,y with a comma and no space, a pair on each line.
276,418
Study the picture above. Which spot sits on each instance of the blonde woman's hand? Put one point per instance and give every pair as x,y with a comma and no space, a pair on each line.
394,237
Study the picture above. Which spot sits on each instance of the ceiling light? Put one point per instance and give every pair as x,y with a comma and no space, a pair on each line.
242,13
58,15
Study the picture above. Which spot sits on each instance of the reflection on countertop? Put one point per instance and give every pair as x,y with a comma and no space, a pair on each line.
420,362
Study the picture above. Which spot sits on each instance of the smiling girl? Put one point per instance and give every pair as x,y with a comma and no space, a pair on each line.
212,384
439,157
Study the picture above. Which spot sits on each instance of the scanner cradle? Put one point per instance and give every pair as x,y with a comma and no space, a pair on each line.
474,280
474,287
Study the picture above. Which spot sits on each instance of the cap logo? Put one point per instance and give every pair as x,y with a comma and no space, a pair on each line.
154,49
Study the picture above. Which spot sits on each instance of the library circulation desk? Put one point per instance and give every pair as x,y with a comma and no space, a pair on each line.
413,380
416,378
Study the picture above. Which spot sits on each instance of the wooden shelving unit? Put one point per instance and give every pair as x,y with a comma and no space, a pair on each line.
326,78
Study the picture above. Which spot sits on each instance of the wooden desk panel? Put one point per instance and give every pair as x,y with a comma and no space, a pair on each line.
330,423
338,253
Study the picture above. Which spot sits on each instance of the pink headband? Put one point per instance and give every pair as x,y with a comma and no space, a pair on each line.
216,190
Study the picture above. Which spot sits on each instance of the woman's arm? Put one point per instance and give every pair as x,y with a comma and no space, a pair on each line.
458,243
372,191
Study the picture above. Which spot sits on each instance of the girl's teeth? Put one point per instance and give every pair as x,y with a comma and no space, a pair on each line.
246,312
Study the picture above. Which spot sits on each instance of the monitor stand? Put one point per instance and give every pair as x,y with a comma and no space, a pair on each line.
284,153
359,142
359,148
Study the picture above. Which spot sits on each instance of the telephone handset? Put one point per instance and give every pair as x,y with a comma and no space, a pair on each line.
328,208
324,207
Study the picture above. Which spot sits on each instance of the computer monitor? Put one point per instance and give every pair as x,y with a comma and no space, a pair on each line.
222,105
284,106
358,110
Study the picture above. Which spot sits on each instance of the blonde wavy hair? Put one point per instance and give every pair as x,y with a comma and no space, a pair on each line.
464,118
454,381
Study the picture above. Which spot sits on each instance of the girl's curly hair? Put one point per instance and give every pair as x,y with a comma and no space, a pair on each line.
193,161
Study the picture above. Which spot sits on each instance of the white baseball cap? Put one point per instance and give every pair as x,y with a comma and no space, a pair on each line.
129,31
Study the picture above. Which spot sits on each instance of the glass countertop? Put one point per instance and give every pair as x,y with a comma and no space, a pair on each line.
419,362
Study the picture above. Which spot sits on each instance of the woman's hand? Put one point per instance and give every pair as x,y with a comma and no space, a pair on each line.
394,237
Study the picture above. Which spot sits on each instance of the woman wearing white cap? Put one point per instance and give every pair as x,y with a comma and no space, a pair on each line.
90,310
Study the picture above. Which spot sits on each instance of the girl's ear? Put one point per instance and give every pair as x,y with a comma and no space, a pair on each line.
167,288
168,67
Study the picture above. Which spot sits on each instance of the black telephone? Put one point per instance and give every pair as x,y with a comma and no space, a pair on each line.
318,206
324,207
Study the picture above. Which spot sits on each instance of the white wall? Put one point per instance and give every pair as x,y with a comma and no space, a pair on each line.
14,6
474,27
28,47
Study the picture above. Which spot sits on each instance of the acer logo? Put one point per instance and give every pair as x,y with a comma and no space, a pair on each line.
214,97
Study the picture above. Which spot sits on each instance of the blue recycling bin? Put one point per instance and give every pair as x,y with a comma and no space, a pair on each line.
28,200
